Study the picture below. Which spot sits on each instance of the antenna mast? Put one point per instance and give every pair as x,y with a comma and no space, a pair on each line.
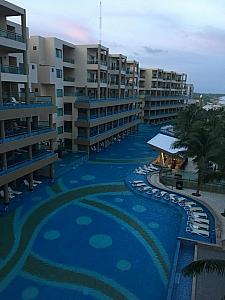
100,22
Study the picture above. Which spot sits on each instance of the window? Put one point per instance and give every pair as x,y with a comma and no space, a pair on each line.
59,112
59,93
33,67
60,130
52,70
58,53
58,73
34,47
36,90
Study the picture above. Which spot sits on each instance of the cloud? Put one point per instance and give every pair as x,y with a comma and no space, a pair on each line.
154,51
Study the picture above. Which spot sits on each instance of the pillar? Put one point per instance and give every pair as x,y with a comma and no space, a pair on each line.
1,96
99,71
50,121
30,152
28,119
51,171
2,129
6,194
25,56
31,183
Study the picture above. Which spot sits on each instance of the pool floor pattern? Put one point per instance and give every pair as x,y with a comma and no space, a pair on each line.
87,236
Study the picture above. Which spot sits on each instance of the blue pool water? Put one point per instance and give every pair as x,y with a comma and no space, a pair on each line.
81,238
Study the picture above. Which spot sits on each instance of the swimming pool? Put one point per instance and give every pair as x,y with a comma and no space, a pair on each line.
87,235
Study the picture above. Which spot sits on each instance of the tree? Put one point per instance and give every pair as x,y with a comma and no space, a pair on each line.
202,134
205,265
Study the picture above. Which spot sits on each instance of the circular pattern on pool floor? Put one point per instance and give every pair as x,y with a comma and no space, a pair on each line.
83,220
153,225
51,235
88,177
30,293
118,200
123,265
139,208
100,241
73,181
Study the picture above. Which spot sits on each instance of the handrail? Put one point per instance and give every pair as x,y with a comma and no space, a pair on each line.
12,69
11,35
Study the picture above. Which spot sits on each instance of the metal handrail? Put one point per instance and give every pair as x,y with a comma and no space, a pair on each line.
11,35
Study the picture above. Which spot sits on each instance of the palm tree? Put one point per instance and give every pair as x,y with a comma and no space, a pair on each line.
205,265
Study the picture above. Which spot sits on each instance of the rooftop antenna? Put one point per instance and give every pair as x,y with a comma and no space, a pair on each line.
100,22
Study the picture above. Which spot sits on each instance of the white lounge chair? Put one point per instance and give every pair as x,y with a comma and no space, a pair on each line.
140,184
198,226
11,191
199,215
10,194
37,181
163,193
199,220
27,183
153,167
154,191
204,233
138,181
172,196
196,209
145,188
190,204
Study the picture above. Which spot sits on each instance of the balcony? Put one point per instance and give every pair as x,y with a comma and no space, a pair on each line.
68,60
11,35
21,166
69,79
22,133
13,69
92,80
92,61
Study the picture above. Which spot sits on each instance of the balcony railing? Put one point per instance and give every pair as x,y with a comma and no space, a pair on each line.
91,100
131,123
68,60
23,133
11,35
69,79
15,165
12,69
15,101
92,61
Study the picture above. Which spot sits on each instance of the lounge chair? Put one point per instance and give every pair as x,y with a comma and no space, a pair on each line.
198,214
145,188
172,196
138,181
10,194
11,191
154,191
27,183
154,168
198,226
196,209
37,181
163,193
140,184
190,204
199,220
204,233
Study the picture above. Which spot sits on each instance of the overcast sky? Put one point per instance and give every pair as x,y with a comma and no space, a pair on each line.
181,35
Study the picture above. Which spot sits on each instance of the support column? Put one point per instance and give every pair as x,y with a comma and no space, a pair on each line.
2,129
51,145
30,156
51,171
25,56
50,121
28,119
4,161
31,182
1,96
99,71
6,194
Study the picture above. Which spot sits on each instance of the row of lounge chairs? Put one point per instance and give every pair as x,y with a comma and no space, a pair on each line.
13,193
146,169
198,222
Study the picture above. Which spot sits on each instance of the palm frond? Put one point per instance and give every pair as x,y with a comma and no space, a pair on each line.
205,266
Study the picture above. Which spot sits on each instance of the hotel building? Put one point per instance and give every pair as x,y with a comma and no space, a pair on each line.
96,102
164,94
26,139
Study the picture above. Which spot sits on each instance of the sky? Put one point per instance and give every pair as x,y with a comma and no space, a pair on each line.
186,36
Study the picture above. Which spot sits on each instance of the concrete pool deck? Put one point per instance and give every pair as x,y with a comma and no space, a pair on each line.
213,201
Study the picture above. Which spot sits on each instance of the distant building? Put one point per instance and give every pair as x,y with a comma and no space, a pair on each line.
164,94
